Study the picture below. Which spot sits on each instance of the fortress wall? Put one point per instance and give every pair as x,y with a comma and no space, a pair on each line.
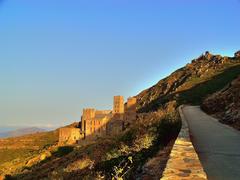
69,135
183,162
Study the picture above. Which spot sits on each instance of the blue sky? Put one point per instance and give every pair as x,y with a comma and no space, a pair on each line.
59,56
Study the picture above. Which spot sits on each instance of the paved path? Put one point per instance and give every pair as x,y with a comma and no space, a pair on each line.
217,145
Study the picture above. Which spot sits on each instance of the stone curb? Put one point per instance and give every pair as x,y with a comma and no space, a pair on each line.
183,162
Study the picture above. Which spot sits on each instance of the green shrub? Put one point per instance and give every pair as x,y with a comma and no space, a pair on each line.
143,142
129,136
202,88
124,167
114,153
62,151
9,177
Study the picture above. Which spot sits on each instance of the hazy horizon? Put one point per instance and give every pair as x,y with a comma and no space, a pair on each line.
59,57
7,128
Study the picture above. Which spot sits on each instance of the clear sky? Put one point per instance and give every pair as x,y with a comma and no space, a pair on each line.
58,56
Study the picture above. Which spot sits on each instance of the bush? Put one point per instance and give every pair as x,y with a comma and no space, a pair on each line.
129,136
144,142
151,133
80,164
9,177
114,153
62,151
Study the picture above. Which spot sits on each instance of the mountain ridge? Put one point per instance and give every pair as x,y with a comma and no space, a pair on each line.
21,132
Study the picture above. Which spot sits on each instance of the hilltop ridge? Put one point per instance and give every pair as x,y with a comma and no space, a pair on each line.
199,70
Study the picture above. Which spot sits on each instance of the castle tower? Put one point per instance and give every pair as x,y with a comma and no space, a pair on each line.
131,109
118,105
88,113
87,117
131,104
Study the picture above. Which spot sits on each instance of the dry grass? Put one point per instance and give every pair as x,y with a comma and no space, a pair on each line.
16,152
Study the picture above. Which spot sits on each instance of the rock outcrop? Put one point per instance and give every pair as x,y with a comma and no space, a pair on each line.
225,104
237,54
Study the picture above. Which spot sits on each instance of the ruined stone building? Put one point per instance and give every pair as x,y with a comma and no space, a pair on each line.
99,123
69,135
94,122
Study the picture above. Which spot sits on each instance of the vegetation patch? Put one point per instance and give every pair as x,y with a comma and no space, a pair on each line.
208,85
15,152
62,151
125,160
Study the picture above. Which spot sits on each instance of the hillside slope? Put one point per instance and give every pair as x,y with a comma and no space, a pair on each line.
16,151
156,127
225,104
190,84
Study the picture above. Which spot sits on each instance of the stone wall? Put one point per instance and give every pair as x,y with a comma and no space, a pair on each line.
183,162
69,135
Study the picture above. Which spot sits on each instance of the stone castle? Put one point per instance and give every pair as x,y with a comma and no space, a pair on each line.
99,123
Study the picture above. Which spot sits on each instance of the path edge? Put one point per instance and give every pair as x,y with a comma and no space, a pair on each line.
183,162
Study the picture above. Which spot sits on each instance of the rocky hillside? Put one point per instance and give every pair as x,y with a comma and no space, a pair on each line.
225,104
190,84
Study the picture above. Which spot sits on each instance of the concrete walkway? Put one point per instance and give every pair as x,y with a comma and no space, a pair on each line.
217,145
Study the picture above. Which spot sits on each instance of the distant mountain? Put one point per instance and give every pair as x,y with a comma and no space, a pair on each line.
21,131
